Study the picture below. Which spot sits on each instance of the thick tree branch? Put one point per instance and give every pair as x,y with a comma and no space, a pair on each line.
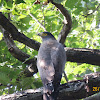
18,54
67,22
93,97
73,90
73,54
83,55
8,26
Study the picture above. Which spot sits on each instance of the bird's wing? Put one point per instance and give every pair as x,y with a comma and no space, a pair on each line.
50,63
58,57
58,60
46,70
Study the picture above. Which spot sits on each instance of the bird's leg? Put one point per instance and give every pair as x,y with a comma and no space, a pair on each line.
65,77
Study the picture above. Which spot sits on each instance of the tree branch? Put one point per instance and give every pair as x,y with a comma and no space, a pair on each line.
18,54
67,22
38,22
8,26
93,97
74,55
72,91
83,55
92,11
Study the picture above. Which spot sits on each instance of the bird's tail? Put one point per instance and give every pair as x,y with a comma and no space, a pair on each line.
49,92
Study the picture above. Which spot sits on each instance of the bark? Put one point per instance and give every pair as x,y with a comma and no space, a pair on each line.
70,91
67,23
89,56
94,97
80,55
8,26
21,56
83,55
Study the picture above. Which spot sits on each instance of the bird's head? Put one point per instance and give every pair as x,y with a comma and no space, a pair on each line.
46,35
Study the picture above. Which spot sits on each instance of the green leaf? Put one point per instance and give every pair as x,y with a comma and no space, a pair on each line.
86,0
78,10
70,3
9,4
75,23
19,1
1,36
28,1
58,1
4,79
21,17
85,30
71,76
90,33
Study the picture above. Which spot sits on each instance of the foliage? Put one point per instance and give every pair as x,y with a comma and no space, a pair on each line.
84,34
58,1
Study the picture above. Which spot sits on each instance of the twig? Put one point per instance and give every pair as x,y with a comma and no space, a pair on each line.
65,77
92,11
35,18
37,21
43,16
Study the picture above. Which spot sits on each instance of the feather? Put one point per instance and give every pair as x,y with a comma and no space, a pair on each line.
50,62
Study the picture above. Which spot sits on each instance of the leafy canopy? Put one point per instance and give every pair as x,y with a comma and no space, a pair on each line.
23,13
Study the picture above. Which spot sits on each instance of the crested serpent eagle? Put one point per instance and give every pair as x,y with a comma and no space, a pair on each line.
50,63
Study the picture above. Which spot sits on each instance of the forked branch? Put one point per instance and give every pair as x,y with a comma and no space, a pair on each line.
67,22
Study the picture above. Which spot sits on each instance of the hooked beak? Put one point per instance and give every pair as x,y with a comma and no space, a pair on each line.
39,34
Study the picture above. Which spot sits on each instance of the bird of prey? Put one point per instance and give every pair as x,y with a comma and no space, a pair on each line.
50,63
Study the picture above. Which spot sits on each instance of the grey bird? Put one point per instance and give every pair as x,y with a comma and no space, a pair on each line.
50,63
